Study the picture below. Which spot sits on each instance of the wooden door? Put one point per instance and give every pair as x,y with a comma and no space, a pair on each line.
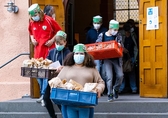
153,51
59,9
60,18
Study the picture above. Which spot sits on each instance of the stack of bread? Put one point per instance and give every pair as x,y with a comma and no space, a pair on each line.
37,63
72,85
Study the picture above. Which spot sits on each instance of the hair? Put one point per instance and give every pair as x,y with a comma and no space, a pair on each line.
88,61
47,10
59,38
131,21
127,27
41,14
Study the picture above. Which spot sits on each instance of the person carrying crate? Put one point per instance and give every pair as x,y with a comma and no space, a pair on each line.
79,66
112,63
42,30
93,33
57,54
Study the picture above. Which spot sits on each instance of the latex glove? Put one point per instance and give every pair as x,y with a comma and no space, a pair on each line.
119,45
133,60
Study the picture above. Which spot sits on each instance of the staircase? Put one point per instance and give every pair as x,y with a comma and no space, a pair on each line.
127,106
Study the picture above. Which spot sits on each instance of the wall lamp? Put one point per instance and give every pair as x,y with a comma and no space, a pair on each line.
11,7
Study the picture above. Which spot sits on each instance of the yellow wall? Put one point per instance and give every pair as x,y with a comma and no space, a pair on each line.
14,39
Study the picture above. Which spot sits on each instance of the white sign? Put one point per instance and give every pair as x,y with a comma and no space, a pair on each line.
152,18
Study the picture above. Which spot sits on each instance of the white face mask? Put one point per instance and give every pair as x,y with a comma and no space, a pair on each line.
79,58
114,32
36,18
96,26
53,16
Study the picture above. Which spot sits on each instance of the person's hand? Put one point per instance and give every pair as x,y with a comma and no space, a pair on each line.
49,43
98,93
59,69
34,42
119,45
125,50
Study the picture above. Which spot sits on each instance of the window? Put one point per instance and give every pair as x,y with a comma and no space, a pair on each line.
126,9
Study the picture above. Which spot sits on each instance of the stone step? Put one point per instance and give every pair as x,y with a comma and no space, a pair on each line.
123,104
96,115
126,106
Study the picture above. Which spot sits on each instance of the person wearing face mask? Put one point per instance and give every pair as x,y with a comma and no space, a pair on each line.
112,63
49,10
80,67
97,28
92,36
42,30
57,54
131,49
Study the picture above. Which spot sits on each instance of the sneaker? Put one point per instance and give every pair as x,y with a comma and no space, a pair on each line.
42,103
110,98
40,99
115,93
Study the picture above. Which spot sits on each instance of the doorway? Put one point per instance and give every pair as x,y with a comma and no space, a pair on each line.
121,10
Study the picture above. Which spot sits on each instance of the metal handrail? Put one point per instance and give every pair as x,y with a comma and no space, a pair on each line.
14,59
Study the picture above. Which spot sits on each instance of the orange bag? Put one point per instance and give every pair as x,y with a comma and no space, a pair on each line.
105,50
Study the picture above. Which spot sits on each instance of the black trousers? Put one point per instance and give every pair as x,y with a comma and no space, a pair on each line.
49,104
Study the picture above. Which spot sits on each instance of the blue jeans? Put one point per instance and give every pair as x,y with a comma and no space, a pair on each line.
109,64
97,62
77,112
43,85
132,81
100,67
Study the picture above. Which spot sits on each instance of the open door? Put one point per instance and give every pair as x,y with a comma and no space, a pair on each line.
60,18
153,51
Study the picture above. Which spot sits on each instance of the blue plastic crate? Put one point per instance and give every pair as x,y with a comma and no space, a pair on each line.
72,97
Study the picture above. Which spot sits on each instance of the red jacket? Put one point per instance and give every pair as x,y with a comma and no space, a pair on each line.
42,32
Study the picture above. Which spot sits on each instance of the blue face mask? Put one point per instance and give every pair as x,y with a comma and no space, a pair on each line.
59,47
36,18
79,58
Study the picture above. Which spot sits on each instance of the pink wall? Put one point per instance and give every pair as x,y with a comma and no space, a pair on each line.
14,39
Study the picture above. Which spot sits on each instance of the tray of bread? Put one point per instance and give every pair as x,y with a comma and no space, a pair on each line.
38,68
72,93
105,50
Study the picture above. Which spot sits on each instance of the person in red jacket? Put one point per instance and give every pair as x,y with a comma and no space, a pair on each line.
42,30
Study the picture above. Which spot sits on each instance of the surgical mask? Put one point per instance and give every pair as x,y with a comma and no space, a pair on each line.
96,26
59,47
79,58
53,16
132,29
114,32
36,18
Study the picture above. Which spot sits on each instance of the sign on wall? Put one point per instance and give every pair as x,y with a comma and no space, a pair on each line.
152,18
